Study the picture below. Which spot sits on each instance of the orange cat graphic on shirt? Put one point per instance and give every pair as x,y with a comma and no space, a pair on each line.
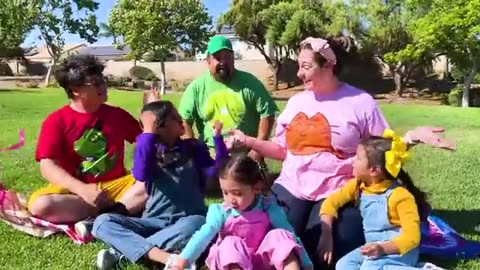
306,136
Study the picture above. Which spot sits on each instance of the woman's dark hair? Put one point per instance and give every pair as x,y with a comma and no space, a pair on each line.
242,169
74,70
342,47
163,109
375,148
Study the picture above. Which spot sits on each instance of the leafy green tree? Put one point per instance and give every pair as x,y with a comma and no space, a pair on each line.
107,31
383,29
275,27
453,27
161,27
17,19
57,17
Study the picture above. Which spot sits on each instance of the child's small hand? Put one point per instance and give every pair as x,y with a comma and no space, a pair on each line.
151,96
372,250
149,120
179,264
217,128
325,247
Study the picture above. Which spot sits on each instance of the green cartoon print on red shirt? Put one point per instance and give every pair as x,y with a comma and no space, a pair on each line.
92,148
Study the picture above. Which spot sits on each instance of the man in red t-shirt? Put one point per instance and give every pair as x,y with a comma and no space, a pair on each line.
81,150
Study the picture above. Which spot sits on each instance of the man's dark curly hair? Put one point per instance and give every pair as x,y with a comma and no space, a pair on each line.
74,70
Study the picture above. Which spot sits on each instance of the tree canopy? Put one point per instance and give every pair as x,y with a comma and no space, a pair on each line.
452,27
161,26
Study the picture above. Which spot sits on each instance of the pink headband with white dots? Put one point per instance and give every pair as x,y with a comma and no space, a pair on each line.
322,47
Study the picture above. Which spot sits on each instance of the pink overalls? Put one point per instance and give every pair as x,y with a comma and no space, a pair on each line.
266,248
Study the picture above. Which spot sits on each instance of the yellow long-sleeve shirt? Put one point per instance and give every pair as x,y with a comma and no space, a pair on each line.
402,210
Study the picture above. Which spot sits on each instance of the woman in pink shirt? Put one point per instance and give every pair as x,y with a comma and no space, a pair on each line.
316,137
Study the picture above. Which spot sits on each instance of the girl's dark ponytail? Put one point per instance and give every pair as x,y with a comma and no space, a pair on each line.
424,208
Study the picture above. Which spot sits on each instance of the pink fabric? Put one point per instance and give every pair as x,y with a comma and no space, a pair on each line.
13,211
19,144
322,47
68,229
321,135
263,249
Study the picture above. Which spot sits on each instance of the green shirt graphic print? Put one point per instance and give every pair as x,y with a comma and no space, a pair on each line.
240,103
92,147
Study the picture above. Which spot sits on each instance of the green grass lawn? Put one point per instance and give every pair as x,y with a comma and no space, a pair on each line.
450,178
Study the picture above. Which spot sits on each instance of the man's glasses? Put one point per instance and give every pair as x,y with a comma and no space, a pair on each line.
96,82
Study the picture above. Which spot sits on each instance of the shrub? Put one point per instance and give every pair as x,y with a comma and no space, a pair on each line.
152,77
53,83
455,96
117,81
141,73
28,84
138,84
32,84
178,86
458,76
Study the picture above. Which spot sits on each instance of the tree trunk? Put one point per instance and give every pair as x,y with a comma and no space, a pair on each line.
466,90
467,82
163,81
275,68
49,72
400,83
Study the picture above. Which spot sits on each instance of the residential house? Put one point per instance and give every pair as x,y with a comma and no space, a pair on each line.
106,52
43,56
242,49
112,53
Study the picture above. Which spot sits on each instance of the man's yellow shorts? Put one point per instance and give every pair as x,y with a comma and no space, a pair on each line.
115,189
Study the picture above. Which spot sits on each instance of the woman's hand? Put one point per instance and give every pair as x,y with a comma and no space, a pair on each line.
236,139
429,135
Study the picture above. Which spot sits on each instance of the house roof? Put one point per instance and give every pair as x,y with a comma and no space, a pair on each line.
226,30
44,55
105,50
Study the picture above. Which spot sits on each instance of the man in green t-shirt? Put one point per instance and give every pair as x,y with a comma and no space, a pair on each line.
236,98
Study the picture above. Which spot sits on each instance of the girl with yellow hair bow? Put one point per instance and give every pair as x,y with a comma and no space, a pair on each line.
390,204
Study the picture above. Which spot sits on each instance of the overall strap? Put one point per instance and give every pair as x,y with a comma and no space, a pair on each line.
392,187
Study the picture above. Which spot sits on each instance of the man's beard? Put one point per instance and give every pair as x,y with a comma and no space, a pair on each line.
224,73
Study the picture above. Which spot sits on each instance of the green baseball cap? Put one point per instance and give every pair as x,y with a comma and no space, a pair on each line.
218,43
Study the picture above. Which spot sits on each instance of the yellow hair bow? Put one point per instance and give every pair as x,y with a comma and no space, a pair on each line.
397,155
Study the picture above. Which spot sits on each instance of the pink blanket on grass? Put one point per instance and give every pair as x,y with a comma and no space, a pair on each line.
13,211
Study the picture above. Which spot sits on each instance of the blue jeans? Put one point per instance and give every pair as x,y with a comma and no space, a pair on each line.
356,261
135,237
304,217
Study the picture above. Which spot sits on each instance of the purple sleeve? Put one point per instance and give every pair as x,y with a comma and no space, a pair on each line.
221,151
144,156
205,161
